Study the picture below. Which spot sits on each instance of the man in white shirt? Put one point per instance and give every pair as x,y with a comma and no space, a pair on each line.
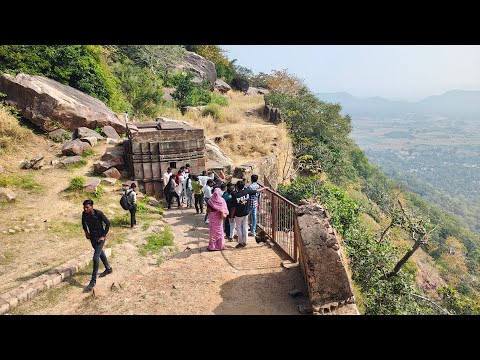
204,178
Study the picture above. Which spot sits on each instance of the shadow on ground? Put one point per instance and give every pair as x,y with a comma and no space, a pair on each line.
263,294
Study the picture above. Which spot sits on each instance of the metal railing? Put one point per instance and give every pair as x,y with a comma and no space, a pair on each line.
276,217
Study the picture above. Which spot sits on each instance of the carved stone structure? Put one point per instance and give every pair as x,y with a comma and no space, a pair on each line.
154,146
323,264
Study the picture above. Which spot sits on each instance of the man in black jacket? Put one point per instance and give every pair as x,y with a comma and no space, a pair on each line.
92,220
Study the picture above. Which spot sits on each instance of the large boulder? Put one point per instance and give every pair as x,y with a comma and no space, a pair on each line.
216,159
199,66
240,84
49,104
257,91
109,132
7,195
222,86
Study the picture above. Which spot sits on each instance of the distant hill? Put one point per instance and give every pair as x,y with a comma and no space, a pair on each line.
454,103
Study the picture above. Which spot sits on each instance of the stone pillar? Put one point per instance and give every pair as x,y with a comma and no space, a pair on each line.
323,265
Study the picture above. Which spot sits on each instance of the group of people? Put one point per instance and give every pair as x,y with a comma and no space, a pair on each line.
228,208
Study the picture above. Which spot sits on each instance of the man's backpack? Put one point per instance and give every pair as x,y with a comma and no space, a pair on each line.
125,201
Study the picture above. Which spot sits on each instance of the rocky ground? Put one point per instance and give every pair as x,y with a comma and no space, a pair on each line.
192,281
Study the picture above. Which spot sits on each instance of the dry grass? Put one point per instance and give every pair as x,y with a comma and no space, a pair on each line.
12,135
242,138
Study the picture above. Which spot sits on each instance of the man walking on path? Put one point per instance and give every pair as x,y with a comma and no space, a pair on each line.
133,200
240,211
92,220
253,202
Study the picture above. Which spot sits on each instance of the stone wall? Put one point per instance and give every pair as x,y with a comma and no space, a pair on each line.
154,146
325,268
272,114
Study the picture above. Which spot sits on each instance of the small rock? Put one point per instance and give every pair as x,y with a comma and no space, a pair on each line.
108,181
175,286
302,309
7,195
112,173
83,132
38,164
2,169
5,232
59,135
115,286
154,202
72,160
55,162
295,293
17,228
11,231
26,230
114,141
91,185
92,141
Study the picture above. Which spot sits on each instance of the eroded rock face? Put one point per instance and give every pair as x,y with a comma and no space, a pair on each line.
216,158
328,281
50,104
199,66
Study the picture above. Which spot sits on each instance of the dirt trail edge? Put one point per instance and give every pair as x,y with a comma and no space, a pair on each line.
193,281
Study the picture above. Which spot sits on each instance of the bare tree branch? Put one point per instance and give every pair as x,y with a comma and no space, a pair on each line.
432,302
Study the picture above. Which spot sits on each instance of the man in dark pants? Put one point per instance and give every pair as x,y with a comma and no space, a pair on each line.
92,225
133,200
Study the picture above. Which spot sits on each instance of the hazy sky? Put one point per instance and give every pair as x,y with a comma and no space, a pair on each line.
403,72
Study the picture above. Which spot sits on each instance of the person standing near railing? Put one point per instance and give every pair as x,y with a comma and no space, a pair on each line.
240,211
253,204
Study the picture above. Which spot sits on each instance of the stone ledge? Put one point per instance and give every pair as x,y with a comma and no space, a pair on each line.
37,285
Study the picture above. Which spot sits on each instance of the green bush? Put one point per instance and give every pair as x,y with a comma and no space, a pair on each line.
187,93
76,183
218,99
143,88
369,260
213,110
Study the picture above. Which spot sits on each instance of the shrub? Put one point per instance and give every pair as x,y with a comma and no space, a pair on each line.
187,93
213,110
218,99
76,183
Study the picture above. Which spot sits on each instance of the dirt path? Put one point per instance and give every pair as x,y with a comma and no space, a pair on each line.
193,281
